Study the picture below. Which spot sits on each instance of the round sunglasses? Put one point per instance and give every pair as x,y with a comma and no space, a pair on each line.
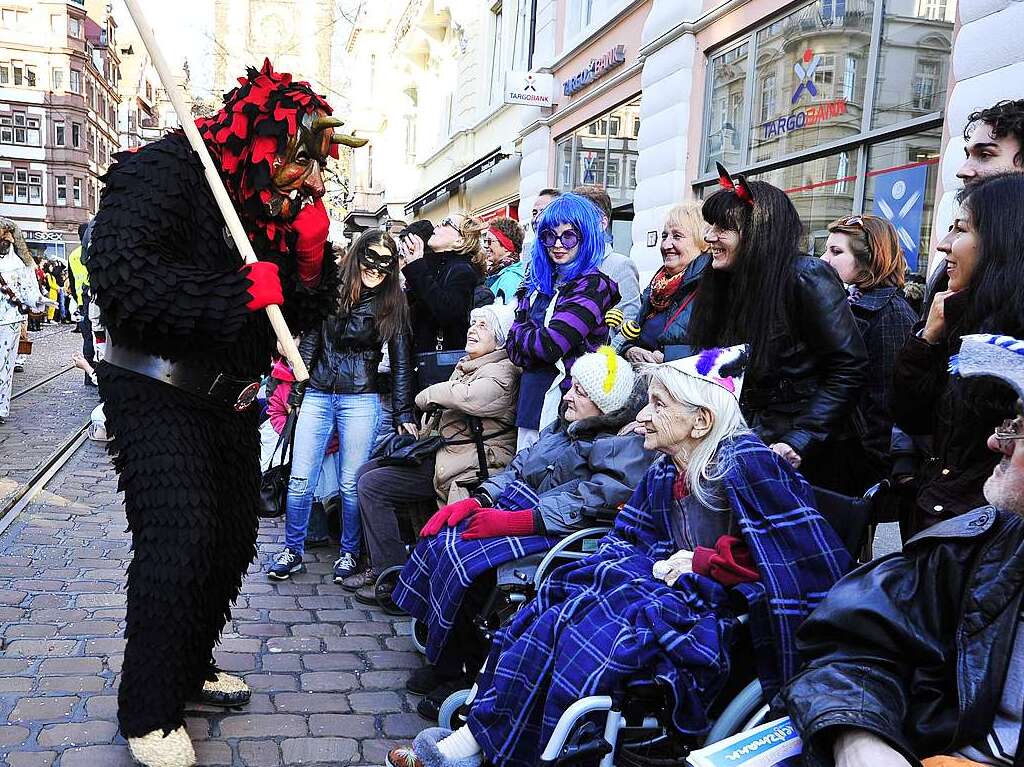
570,238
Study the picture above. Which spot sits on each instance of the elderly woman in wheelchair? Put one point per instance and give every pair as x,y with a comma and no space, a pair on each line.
731,526
586,465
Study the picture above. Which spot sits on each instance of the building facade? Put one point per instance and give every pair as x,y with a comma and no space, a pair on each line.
59,71
428,89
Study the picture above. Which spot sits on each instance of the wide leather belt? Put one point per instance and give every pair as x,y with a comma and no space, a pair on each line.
238,393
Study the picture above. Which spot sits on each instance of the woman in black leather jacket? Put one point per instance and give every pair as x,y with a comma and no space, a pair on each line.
342,396
807,357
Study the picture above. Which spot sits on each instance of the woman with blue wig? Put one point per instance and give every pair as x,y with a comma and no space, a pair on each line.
560,309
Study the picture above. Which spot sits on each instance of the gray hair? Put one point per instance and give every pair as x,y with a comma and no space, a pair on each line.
707,464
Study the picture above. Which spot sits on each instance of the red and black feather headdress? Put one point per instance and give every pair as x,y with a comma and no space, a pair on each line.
246,135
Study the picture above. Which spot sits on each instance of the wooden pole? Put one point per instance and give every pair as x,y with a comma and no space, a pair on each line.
220,194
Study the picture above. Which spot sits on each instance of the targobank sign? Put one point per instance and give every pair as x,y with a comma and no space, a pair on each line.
596,69
805,69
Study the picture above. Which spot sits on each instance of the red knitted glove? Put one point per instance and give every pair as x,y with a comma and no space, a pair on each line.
490,523
449,516
312,225
729,563
265,289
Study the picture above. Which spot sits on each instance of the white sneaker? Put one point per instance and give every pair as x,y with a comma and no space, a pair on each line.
344,566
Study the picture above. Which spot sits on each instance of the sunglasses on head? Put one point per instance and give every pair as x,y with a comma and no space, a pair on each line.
853,221
449,221
570,238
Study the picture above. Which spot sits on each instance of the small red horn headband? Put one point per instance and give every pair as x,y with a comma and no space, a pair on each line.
739,185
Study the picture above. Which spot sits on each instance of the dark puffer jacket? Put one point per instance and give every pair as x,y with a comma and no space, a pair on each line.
665,331
440,287
818,365
591,465
343,355
914,647
959,415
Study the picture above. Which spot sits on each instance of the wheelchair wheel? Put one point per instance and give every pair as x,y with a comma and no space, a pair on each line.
454,710
738,713
385,584
419,636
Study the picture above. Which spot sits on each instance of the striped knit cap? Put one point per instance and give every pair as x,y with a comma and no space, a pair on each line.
983,354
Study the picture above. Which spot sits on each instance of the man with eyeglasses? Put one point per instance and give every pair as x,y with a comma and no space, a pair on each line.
920,655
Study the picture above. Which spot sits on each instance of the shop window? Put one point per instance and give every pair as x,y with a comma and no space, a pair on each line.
728,74
900,186
600,152
61,189
821,190
912,74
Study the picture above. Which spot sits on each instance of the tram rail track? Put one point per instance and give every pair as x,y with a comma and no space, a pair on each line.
27,491
42,381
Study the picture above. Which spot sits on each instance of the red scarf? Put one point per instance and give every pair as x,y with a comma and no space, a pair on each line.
663,288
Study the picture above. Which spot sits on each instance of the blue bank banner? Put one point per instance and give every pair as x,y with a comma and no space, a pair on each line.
899,197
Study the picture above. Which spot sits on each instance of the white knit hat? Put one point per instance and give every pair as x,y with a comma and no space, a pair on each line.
605,377
499,318
722,367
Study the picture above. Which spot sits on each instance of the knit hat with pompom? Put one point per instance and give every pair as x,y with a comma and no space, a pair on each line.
606,378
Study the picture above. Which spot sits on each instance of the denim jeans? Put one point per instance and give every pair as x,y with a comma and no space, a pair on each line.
354,417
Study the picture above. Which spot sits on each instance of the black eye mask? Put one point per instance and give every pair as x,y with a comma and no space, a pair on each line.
379,258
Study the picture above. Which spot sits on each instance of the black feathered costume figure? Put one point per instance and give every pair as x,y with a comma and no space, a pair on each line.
186,339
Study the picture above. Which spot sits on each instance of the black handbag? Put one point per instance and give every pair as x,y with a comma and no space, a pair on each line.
436,366
274,483
401,449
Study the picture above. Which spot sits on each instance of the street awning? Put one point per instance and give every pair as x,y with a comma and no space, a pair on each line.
453,183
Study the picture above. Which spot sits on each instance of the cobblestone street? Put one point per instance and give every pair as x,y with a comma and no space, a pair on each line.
327,674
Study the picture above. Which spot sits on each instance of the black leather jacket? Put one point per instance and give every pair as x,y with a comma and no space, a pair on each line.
914,646
819,364
343,355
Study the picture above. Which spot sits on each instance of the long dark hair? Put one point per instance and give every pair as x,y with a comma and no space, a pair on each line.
390,307
995,301
748,303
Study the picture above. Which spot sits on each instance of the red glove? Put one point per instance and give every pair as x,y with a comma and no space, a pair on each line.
265,289
729,563
449,516
312,225
490,523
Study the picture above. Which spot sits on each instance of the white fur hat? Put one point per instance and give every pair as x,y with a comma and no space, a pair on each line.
606,378
722,367
498,317
999,357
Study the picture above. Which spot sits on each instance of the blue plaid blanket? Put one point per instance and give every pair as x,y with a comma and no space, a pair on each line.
597,623
434,581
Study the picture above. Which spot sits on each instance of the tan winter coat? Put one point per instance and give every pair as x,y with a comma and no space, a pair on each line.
487,387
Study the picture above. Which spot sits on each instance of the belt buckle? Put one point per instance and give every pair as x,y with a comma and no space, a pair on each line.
246,397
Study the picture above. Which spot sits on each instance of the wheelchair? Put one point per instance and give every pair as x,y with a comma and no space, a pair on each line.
632,726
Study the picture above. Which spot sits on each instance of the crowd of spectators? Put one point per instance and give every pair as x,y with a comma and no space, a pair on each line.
484,389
